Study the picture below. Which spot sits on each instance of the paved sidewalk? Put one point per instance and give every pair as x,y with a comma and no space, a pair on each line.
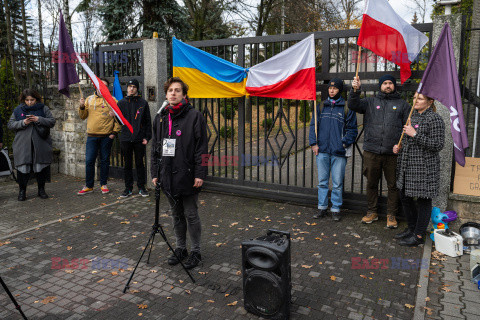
39,269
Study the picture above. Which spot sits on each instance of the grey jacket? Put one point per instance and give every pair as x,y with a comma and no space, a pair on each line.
385,115
25,136
418,163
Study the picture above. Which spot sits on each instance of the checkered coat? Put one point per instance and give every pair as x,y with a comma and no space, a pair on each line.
418,163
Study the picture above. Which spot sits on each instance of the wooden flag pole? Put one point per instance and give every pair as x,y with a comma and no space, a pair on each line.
408,120
80,89
358,64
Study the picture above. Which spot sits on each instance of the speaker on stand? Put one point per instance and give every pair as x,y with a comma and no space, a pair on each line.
266,275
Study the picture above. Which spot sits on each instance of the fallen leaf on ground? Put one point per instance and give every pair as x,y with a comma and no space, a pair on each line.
427,299
134,291
233,224
100,280
409,306
362,276
114,273
239,272
210,301
215,225
234,303
142,306
220,244
227,294
94,247
168,298
153,271
333,278
402,284
69,248
69,271
48,299
188,291
306,266
125,222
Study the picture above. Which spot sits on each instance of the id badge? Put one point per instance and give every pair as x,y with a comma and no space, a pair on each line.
169,147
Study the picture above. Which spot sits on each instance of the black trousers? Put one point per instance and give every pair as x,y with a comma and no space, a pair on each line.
22,178
418,214
128,150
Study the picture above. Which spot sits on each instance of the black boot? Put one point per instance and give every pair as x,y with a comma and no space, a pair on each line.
41,193
320,214
411,241
22,194
182,254
405,233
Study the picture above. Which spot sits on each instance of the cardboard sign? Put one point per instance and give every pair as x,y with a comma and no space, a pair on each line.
467,179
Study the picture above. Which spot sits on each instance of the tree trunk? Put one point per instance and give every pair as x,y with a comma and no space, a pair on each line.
10,39
68,17
25,39
40,26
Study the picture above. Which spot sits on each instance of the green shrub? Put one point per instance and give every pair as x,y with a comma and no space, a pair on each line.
305,112
226,132
228,112
267,124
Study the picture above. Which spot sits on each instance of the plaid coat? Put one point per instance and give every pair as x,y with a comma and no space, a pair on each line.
418,163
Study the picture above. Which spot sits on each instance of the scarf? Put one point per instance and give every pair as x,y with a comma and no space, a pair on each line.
177,108
23,110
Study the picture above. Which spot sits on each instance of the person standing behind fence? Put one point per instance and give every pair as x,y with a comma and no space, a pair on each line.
137,112
337,130
384,117
418,168
101,130
179,142
32,146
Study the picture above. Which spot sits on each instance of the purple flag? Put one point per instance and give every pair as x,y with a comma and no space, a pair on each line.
67,74
440,82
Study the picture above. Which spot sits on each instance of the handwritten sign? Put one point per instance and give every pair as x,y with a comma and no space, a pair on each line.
467,179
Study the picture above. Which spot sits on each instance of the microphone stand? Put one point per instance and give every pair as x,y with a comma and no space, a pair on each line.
156,228
17,306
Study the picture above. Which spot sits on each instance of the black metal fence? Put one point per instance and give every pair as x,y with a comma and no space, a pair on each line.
259,146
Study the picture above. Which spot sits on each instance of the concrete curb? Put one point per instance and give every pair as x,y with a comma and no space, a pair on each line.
423,280
64,218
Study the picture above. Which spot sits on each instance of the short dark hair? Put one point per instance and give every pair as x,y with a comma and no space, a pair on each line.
29,93
170,81
106,80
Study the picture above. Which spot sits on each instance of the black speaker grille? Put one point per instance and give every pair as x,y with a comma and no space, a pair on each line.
264,292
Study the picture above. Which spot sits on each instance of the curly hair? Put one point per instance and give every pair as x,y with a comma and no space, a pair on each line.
170,81
29,93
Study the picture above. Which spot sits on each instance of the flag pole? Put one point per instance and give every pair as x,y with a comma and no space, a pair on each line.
358,64
408,120
80,89
315,110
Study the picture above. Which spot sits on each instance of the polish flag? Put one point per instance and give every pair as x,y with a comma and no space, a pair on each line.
287,75
387,35
105,93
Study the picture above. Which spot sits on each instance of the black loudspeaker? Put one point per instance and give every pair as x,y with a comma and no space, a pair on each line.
267,276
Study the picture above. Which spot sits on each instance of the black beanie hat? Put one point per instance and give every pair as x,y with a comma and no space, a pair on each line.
388,77
337,83
134,82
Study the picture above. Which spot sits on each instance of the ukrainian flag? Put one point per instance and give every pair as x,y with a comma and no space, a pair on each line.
207,76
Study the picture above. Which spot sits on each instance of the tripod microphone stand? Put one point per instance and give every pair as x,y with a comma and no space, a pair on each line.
17,306
156,228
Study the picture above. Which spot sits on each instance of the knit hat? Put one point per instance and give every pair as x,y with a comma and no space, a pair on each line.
337,83
388,77
133,82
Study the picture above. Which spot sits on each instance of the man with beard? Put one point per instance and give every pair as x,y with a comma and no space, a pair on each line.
384,117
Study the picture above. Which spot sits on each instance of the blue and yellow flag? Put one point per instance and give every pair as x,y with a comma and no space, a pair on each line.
207,76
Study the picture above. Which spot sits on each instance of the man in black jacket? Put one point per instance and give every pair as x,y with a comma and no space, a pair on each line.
384,117
179,141
136,111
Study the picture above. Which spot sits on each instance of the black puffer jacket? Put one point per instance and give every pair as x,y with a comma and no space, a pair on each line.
384,118
137,112
178,173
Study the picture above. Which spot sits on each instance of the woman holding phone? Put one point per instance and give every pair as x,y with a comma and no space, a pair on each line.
32,146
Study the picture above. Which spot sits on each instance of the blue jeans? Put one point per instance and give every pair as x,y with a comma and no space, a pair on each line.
94,145
327,163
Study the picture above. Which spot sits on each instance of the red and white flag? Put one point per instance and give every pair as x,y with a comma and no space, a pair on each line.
105,93
287,75
386,34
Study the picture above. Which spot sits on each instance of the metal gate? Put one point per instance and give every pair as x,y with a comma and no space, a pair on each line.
125,57
259,146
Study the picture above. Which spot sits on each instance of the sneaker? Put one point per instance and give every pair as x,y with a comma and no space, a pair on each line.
143,192
193,260
320,214
181,254
370,217
85,190
336,216
391,222
126,193
104,189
